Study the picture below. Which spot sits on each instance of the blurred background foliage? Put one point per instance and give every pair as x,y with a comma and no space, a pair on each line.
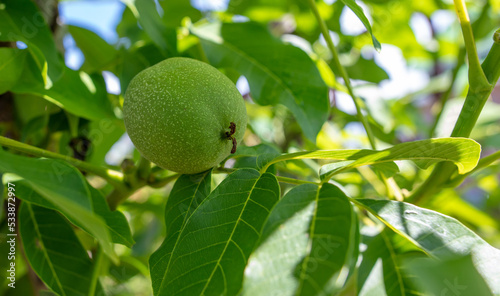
99,46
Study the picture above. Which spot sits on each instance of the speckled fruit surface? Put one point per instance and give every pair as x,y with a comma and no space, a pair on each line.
178,111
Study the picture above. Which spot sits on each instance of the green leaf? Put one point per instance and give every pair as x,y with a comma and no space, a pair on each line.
116,223
11,65
361,15
20,20
276,255
77,92
49,176
380,272
129,27
276,72
175,10
188,192
46,293
438,235
29,107
449,202
332,244
219,236
463,152
389,169
63,185
98,53
54,251
147,15
34,72
242,7
309,240
451,277
254,156
35,130
255,151
366,70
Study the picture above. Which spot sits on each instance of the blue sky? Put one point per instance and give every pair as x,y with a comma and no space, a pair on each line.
98,16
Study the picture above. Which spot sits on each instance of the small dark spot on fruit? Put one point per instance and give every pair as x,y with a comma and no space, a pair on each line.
229,136
233,150
232,130
232,127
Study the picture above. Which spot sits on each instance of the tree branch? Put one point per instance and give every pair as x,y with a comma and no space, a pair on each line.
115,178
343,72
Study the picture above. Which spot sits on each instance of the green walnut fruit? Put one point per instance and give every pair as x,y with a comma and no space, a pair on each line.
184,115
